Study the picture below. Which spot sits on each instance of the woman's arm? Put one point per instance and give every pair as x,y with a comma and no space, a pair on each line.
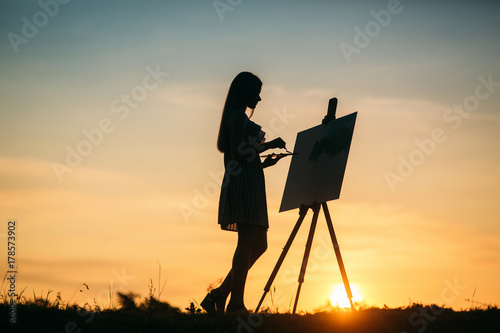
242,150
276,143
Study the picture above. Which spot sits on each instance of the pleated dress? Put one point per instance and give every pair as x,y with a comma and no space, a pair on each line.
243,190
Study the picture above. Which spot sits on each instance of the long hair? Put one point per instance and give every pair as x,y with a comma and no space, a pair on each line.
243,89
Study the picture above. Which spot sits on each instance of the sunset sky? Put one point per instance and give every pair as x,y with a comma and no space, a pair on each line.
109,117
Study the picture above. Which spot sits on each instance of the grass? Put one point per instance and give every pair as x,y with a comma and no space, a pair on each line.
44,313
40,314
154,316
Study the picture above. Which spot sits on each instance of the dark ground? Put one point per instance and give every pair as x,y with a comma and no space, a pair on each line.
417,318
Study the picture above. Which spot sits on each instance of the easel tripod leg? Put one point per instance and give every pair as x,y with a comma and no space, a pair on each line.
337,253
302,214
306,254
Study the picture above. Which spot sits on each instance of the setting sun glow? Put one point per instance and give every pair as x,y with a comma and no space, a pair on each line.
338,296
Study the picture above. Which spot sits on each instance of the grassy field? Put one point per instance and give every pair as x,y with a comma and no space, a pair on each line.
42,315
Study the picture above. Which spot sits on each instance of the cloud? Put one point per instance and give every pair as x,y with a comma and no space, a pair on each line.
25,170
193,95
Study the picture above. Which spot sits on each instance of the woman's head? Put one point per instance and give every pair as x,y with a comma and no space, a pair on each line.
243,92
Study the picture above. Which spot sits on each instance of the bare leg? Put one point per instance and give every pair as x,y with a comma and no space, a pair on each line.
225,288
252,242
259,247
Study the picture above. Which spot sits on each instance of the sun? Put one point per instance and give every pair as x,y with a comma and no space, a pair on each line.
338,296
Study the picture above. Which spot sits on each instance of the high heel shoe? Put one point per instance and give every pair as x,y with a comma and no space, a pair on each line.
213,303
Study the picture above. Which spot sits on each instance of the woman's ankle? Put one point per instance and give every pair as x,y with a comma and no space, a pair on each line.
236,303
236,308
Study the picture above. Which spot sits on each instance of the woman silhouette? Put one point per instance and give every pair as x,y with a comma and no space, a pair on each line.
242,205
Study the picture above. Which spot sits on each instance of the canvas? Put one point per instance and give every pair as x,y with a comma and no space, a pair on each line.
318,164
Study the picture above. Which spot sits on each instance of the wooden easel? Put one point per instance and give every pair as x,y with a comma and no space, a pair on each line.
302,213
332,106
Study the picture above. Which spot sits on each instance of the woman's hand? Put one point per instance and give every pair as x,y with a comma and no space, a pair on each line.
270,161
278,143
